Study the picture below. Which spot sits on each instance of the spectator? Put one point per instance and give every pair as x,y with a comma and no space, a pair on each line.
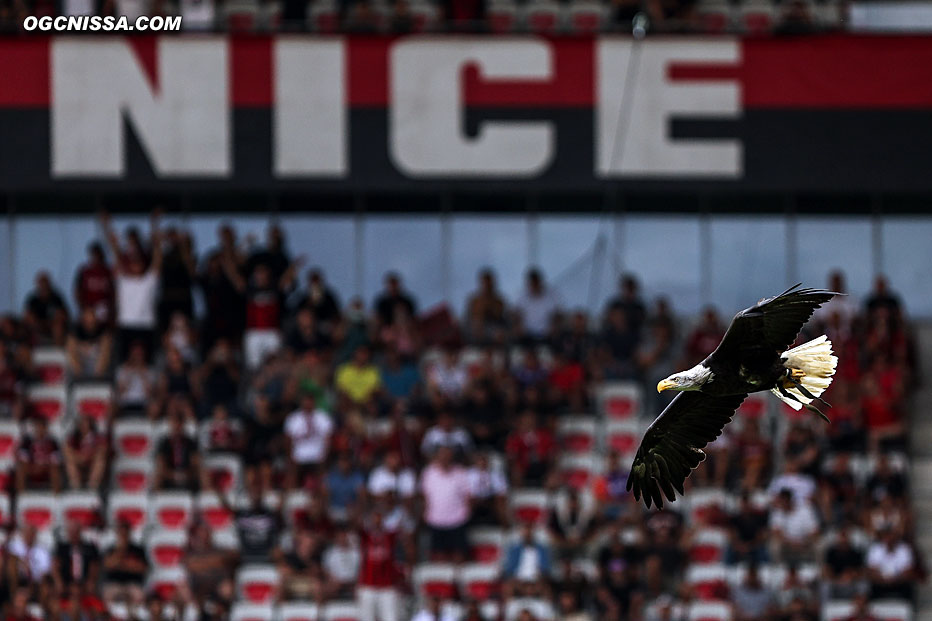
305,336
536,306
629,302
861,612
11,386
570,607
621,341
124,567
176,278
433,611
796,19
345,486
448,377
377,594
265,442
486,317
446,491
218,378
30,559
843,568
322,301
85,455
753,600
94,286
399,377
136,287
446,433
483,411
76,561
136,383
38,459
747,540
341,565
257,526
46,311
225,315
704,338
531,451
794,527
394,296
208,567
359,380
488,490
177,461
572,523
528,563
89,346
891,567
264,311
609,488
222,434
391,477
302,574
274,256
308,429
176,379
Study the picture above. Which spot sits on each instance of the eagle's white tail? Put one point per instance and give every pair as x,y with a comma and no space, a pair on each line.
816,362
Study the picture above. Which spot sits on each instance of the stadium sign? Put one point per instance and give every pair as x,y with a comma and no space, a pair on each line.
383,114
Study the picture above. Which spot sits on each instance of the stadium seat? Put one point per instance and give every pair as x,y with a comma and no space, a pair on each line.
9,439
577,434
213,512
92,400
340,611
623,436
257,583
242,611
241,15
133,437
324,16
171,510
133,474
715,16
83,507
892,610
540,608
479,581
757,17
586,16
165,581
542,16
578,471
708,582
434,580
424,16
709,611
225,470
166,548
39,509
502,16
620,399
529,505
705,503
50,364
708,546
487,544
128,508
47,401
837,610
298,611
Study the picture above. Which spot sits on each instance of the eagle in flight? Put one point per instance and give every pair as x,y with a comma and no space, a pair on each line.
753,356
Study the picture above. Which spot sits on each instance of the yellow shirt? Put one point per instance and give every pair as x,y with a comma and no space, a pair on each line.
358,382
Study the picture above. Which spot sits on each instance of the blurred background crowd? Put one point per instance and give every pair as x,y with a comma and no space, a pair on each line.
218,433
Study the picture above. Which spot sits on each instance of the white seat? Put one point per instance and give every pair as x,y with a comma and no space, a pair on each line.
48,401
578,471
487,544
294,506
50,364
133,474
892,610
529,505
213,512
244,611
577,434
39,509
705,611
133,437
83,507
166,581
340,611
171,510
586,16
298,611
9,439
434,580
620,399
92,399
228,468
540,608
257,583
479,581
165,548
129,508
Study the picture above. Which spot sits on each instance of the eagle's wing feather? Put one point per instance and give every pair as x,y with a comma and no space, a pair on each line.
773,323
672,446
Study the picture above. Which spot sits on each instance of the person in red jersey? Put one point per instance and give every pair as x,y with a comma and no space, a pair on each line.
93,284
376,594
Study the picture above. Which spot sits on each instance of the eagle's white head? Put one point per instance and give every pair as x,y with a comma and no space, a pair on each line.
690,379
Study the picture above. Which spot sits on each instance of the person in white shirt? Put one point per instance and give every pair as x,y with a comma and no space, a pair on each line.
433,611
33,561
801,485
891,567
341,564
446,433
392,478
308,429
536,306
489,490
448,376
794,528
137,286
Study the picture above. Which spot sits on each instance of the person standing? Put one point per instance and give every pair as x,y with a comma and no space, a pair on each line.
377,593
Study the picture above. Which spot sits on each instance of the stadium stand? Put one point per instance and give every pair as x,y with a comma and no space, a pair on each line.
365,470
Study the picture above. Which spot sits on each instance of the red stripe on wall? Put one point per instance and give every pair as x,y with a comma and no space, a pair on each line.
837,72
251,71
25,82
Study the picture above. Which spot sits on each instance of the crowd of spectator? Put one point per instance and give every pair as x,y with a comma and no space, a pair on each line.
406,16
374,445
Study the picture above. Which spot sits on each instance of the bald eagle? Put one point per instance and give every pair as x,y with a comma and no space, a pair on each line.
753,356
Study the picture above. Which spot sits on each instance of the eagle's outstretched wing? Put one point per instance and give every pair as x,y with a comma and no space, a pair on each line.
772,323
672,445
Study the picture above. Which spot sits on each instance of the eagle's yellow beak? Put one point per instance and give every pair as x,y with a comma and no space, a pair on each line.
665,385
